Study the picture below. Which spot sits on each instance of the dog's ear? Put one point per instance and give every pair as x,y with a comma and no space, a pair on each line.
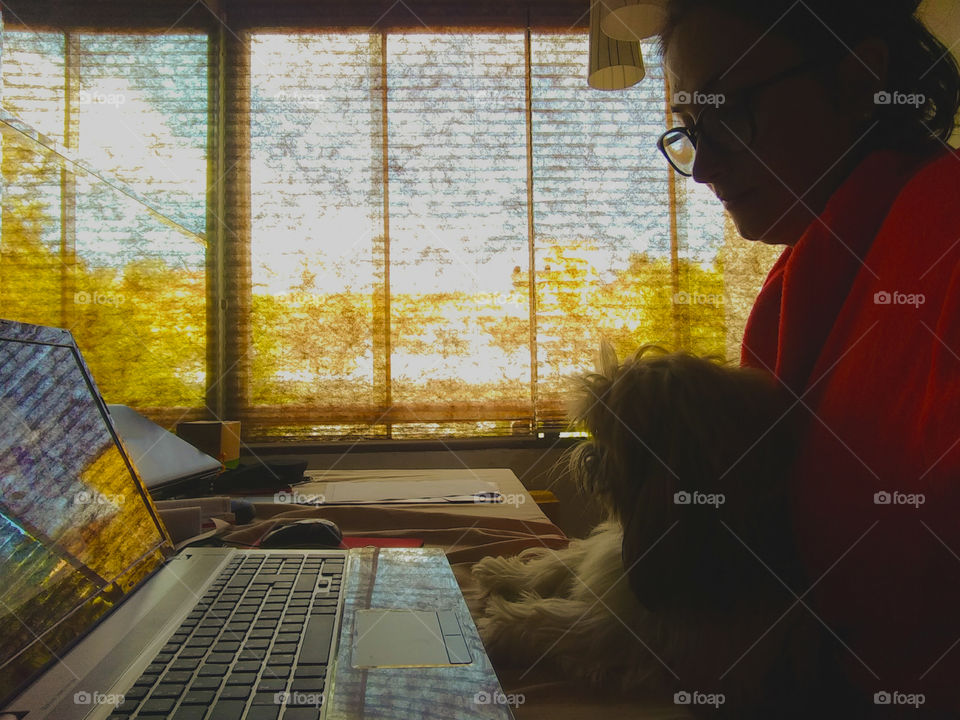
607,362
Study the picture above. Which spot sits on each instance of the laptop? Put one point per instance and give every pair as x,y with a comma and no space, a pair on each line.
99,618
166,464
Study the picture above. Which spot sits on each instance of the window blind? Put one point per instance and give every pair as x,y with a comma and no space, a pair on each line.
118,255
355,233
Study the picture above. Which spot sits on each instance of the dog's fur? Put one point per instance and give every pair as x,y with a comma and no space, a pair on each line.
663,594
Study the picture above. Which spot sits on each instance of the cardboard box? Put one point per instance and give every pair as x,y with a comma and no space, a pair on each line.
219,439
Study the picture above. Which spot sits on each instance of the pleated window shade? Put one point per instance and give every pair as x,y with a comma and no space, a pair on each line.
368,233
118,259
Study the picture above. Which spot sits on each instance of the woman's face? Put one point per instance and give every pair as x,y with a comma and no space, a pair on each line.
803,144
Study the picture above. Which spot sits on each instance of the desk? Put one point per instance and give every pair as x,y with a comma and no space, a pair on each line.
465,531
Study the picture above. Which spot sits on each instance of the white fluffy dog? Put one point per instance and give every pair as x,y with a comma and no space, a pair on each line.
684,586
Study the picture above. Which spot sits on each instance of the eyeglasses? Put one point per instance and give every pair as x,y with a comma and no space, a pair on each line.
728,128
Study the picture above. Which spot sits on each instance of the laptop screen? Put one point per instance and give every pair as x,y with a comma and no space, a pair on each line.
77,531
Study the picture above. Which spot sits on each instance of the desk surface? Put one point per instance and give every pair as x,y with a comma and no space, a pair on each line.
465,531
517,505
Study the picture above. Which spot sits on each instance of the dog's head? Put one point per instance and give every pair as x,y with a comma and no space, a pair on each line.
691,456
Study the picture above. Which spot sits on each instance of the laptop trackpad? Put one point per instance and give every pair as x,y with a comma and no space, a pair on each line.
408,638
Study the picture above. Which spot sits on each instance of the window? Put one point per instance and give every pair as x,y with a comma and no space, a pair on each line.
354,234
117,256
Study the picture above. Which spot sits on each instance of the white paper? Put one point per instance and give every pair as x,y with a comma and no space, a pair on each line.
459,490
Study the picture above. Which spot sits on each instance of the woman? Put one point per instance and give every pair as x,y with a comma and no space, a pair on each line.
822,125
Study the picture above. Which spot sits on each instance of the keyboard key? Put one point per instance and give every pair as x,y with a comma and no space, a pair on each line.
316,639
267,579
158,706
310,671
266,698
198,697
127,706
168,690
307,685
190,712
263,712
136,692
305,582
301,713
206,683
177,676
277,672
227,710
235,692
240,678
218,670
271,685
247,667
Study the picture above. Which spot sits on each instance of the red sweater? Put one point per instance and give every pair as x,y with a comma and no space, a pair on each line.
861,320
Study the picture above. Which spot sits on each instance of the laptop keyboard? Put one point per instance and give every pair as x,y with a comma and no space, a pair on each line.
255,646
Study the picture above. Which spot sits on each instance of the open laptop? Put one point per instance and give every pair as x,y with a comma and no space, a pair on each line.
100,619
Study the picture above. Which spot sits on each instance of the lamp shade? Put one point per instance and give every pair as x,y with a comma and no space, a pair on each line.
633,19
614,64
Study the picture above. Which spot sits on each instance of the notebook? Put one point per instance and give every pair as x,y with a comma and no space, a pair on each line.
99,618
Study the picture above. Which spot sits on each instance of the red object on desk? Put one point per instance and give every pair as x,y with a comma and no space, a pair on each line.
382,542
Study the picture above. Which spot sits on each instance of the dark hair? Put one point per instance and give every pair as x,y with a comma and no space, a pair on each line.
919,64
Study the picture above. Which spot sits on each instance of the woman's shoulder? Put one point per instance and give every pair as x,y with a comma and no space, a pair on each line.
936,183
924,219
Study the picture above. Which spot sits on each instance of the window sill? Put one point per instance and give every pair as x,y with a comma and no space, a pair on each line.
551,441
